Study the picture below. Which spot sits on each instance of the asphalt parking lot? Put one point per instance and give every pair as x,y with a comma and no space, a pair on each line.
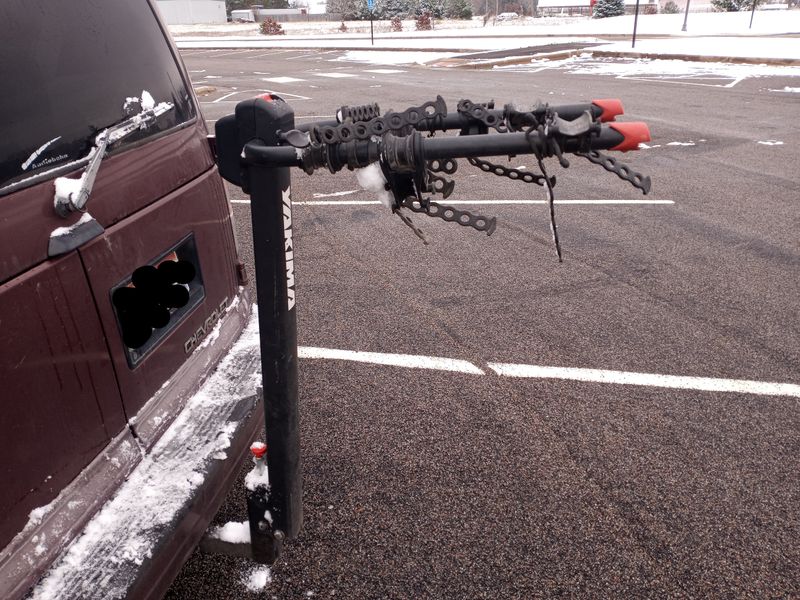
540,463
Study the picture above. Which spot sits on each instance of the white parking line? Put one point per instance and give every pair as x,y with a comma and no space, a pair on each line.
480,202
343,193
221,98
409,361
284,95
336,75
239,53
302,56
282,79
708,384
413,361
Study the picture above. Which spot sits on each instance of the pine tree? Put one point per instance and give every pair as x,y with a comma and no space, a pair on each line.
392,8
733,5
608,8
348,9
434,7
458,9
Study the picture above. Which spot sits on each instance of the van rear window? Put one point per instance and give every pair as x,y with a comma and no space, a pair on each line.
71,69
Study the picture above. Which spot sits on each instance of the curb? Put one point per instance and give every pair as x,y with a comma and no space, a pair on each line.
744,60
342,48
455,63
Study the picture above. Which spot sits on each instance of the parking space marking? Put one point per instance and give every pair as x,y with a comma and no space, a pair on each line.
409,361
228,97
482,202
303,56
731,81
415,361
336,75
231,53
282,79
221,98
707,384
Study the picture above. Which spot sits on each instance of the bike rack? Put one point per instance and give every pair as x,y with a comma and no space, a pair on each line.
255,148
275,514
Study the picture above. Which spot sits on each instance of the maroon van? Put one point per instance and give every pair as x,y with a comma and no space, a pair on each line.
127,388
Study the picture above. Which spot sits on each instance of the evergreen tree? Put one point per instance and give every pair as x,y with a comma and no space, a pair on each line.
349,9
434,7
733,5
393,8
608,8
237,5
458,9
670,8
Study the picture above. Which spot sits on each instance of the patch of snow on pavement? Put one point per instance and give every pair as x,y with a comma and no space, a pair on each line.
771,143
688,71
233,532
256,579
681,144
389,57
795,90
712,46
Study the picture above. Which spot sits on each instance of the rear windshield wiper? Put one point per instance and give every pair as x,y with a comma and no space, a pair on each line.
72,194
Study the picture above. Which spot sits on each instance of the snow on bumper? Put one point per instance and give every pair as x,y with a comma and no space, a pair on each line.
106,560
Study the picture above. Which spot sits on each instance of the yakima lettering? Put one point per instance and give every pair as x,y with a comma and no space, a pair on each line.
288,247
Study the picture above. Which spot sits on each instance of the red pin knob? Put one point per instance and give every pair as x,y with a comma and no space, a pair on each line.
259,449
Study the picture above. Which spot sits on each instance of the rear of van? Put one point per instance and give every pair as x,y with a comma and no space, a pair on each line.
121,293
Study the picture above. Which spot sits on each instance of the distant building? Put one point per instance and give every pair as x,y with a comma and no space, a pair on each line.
244,14
187,12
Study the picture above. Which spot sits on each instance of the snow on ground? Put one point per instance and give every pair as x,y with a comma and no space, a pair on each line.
709,35
690,73
737,23
256,578
425,46
713,46
232,532
378,57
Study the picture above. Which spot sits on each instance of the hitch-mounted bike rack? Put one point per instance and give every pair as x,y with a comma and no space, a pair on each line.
275,514
256,147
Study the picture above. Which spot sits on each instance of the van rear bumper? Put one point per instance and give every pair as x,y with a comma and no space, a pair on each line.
160,490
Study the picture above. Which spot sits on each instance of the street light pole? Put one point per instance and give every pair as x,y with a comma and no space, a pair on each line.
752,13
635,23
685,16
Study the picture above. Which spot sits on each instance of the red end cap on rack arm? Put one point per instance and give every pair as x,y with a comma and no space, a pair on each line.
612,108
633,134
